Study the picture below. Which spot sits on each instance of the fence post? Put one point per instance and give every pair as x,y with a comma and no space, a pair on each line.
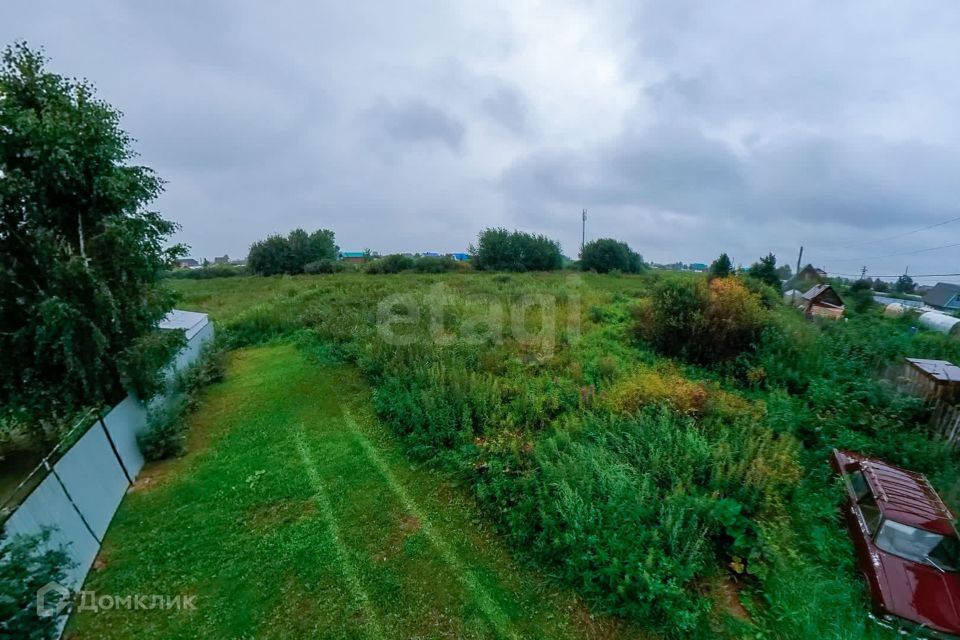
113,447
70,499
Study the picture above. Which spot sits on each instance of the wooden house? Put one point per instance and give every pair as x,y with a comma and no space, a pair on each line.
822,301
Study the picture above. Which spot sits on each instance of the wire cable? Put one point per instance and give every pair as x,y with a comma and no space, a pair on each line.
907,233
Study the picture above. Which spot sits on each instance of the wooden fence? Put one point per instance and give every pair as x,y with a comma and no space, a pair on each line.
945,417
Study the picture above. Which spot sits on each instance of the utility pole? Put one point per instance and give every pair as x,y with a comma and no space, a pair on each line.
583,232
863,272
793,296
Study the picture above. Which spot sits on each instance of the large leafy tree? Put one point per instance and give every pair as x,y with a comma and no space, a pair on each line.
605,255
503,250
277,254
81,255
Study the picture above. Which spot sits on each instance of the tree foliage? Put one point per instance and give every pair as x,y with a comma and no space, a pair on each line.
81,256
502,250
784,272
860,296
905,284
766,271
27,563
277,254
605,255
703,322
721,267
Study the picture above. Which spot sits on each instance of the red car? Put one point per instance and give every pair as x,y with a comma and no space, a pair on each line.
907,545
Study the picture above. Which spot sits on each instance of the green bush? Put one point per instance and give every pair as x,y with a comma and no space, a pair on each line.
209,272
166,432
607,255
165,435
435,264
393,263
27,563
209,368
325,265
703,322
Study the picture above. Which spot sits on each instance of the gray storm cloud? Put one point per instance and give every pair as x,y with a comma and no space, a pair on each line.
687,128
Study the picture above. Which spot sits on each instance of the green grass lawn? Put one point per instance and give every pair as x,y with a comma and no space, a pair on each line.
295,514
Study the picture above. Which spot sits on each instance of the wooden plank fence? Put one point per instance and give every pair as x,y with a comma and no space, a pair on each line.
945,417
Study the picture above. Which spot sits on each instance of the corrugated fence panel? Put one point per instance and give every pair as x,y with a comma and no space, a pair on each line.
125,422
48,506
94,478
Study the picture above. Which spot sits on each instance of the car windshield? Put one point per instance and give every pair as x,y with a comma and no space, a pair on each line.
918,545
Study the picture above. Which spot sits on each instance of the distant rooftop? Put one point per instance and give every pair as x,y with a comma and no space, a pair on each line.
942,294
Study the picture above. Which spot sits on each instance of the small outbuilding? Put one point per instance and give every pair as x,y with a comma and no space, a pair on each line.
822,301
934,379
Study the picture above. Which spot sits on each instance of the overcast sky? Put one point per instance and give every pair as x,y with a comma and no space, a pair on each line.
686,128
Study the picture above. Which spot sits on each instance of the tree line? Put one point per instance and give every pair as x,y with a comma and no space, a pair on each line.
497,249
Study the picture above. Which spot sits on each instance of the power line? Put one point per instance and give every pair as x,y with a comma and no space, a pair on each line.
926,275
891,255
906,233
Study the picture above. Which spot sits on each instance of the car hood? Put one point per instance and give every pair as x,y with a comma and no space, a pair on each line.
921,593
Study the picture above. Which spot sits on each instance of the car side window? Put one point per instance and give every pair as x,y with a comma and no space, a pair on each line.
859,483
871,513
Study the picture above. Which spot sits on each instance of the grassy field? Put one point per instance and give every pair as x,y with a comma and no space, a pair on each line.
685,497
296,515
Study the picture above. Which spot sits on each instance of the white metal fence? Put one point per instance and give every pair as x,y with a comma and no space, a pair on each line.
80,492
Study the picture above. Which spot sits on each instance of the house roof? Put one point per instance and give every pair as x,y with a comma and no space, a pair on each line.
941,294
939,370
822,291
351,254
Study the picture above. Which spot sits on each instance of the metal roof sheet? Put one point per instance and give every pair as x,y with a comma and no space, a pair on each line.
940,370
190,321
906,496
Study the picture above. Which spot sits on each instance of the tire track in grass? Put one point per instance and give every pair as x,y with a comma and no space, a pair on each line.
491,610
374,630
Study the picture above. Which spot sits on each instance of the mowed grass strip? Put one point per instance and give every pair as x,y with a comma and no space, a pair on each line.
295,514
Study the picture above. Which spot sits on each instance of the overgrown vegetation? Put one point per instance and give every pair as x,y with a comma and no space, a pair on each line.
399,263
165,434
81,255
209,271
646,439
